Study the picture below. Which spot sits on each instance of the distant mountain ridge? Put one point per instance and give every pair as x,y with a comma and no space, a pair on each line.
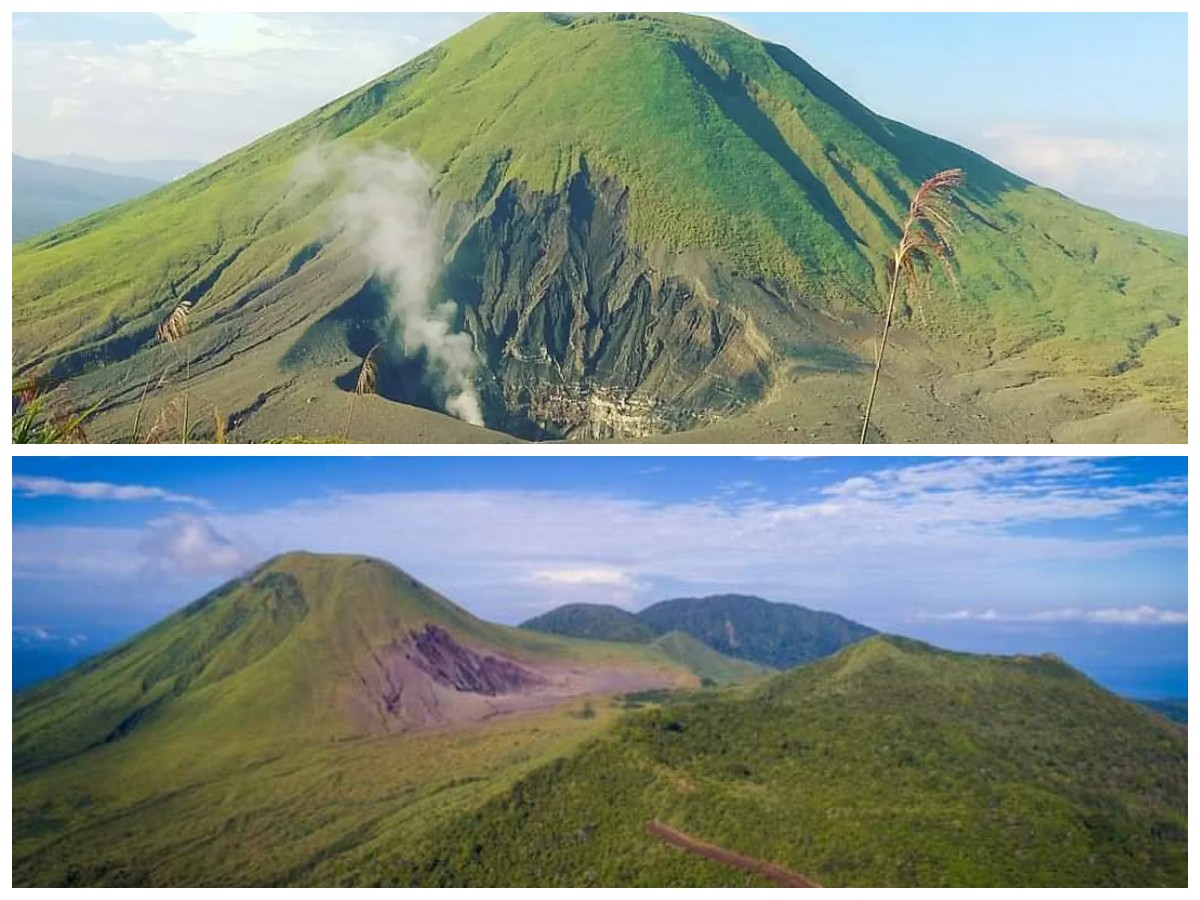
160,170
597,621
777,635
1173,708
46,195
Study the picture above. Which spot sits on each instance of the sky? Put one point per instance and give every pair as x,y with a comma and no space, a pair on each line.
1086,558
1093,105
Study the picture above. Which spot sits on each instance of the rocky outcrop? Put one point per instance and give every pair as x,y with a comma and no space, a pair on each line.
582,334
438,654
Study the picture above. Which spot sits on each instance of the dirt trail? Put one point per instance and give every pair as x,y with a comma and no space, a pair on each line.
776,874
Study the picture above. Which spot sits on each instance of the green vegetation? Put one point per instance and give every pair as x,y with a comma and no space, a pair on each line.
737,627
711,667
594,621
329,720
890,764
35,420
617,162
199,810
778,635
293,716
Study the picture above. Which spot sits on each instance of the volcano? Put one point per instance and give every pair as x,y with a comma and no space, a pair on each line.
318,648
640,227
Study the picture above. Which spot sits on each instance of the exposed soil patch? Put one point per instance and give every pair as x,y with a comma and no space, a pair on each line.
427,677
775,874
448,662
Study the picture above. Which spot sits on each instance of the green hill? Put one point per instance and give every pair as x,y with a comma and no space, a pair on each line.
317,703
594,621
651,225
889,764
600,622
706,663
736,626
315,646
328,720
779,635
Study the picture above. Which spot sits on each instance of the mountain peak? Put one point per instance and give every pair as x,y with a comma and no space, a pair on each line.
889,656
327,581
326,645
646,224
681,23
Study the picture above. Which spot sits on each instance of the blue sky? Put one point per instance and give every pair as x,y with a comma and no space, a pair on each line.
1082,557
1092,104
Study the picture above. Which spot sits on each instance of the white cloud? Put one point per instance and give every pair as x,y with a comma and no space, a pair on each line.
595,575
580,584
225,80
76,552
988,493
908,536
1138,174
179,547
31,486
31,632
1073,160
189,545
34,635
232,35
1136,615
64,107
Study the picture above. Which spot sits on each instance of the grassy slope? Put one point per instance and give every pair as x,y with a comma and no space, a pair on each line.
145,812
726,144
246,770
707,663
264,656
889,764
594,621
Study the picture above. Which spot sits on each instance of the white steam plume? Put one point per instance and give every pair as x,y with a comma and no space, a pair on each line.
384,206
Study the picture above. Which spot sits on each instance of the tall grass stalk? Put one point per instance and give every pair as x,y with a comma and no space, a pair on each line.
172,331
924,241
35,422
367,383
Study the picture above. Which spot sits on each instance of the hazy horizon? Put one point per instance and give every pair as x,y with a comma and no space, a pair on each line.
1085,558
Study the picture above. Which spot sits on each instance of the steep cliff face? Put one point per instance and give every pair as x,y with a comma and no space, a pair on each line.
582,333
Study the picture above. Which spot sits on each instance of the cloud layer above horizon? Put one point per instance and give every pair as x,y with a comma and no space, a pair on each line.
979,540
